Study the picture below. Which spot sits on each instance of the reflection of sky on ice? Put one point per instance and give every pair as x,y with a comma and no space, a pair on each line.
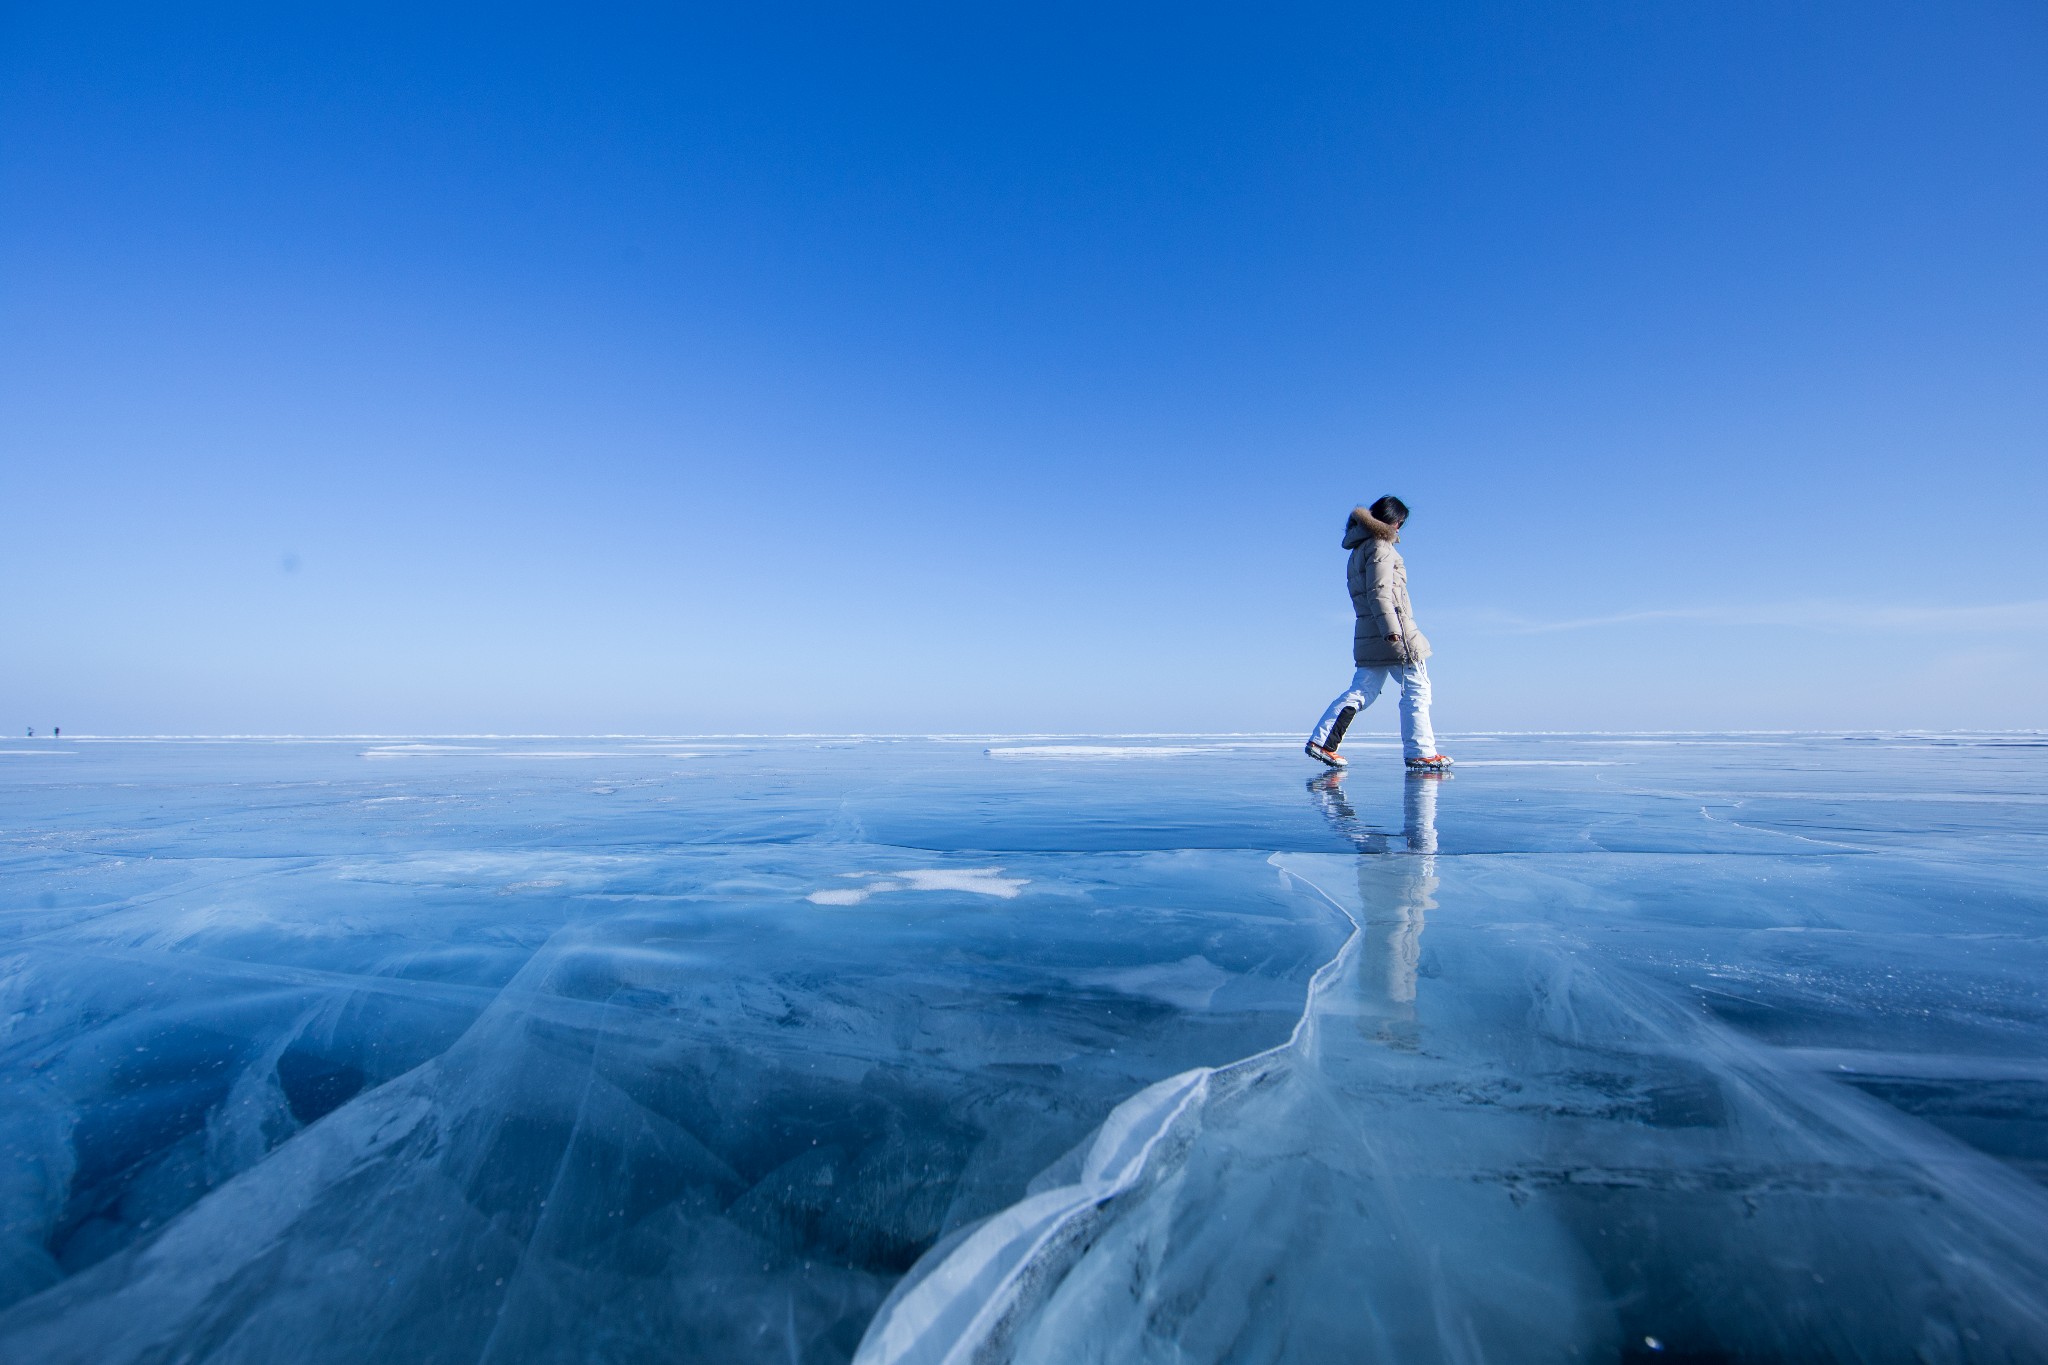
715,1050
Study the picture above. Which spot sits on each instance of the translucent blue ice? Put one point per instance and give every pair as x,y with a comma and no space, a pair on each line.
1684,1047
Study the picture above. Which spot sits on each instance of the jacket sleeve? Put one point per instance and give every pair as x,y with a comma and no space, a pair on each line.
1386,612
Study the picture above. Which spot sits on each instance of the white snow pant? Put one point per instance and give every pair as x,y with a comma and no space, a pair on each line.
1417,739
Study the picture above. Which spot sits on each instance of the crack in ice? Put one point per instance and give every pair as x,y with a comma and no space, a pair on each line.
976,1285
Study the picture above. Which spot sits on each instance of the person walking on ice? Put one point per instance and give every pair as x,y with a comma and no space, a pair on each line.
1385,645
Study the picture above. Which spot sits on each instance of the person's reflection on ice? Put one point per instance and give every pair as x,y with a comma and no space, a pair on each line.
1396,889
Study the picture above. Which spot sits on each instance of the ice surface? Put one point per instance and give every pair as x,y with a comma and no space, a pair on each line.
1141,1049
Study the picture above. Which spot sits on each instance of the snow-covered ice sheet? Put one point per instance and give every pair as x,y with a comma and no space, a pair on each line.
1609,1047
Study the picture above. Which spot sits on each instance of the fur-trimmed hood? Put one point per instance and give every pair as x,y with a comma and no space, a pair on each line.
1362,524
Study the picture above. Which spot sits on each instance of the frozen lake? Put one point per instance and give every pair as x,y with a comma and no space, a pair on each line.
1608,1048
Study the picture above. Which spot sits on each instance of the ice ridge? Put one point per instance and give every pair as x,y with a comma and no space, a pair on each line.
970,1291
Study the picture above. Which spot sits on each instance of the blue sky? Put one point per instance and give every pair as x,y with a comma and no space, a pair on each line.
1011,367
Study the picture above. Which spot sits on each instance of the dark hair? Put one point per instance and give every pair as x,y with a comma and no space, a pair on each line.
1390,509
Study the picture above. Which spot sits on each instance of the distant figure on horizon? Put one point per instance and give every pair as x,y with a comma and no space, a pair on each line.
1384,644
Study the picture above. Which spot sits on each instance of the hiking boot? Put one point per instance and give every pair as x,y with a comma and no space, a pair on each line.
1435,763
1322,755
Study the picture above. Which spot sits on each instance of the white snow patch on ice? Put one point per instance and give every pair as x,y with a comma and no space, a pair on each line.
446,750
1189,984
1088,751
1539,763
980,881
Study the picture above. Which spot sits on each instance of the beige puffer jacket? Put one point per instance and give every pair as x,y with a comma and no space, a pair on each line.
1379,594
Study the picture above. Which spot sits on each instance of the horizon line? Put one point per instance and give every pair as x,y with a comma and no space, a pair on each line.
985,735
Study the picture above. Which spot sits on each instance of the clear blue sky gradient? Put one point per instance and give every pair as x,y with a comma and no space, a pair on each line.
1011,367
